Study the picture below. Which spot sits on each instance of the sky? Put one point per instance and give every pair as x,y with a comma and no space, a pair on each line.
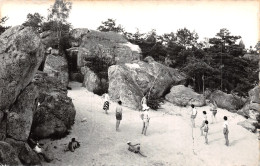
205,17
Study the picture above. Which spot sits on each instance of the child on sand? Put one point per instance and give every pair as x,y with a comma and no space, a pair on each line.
203,122
206,129
214,111
193,115
118,115
106,103
145,117
225,130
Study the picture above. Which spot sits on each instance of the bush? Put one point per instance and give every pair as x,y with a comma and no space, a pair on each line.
154,102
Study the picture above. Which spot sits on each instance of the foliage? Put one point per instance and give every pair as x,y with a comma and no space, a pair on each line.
154,102
57,20
110,25
34,20
2,22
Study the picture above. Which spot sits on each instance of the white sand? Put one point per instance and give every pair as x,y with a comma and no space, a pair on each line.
168,140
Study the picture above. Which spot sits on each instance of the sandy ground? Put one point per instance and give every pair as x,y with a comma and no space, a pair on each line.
168,141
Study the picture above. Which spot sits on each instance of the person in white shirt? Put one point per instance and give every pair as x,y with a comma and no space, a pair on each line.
225,130
203,122
193,115
144,103
145,118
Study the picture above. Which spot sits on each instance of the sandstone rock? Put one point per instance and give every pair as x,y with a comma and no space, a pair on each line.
129,82
183,96
248,124
251,110
254,95
8,155
56,113
104,45
20,117
57,66
91,81
21,52
226,101
26,155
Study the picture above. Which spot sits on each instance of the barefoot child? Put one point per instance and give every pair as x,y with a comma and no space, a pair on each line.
145,118
118,115
106,103
225,130
206,129
203,122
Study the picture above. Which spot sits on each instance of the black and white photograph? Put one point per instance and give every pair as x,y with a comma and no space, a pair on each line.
129,83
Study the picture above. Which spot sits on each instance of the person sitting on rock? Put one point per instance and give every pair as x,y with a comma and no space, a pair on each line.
40,151
135,148
73,144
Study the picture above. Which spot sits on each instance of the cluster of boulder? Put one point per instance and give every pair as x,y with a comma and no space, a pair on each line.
33,104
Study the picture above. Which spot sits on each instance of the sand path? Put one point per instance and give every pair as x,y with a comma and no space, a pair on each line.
169,139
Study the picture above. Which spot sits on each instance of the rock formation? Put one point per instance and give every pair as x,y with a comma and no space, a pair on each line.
129,82
55,113
183,96
226,101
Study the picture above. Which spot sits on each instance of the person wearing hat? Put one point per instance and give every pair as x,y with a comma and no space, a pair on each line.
145,118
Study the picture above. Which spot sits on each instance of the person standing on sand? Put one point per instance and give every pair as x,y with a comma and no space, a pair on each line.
118,115
144,102
193,115
206,130
106,103
225,130
203,122
145,117
213,109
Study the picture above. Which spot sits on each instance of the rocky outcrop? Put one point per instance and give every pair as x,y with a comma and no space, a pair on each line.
26,155
183,96
252,108
8,155
21,52
57,66
226,101
129,82
20,117
91,80
248,124
55,113
108,45
254,95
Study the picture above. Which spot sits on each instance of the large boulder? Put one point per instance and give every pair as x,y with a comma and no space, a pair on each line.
252,108
8,155
26,155
57,66
248,124
183,96
129,82
254,95
20,117
91,80
21,52
110,45
55,113
226,101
